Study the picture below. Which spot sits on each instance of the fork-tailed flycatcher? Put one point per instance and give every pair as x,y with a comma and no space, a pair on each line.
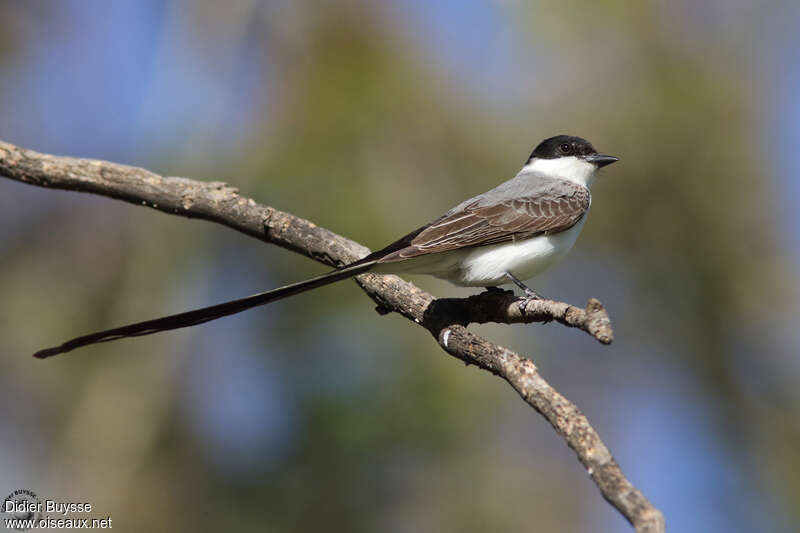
510,233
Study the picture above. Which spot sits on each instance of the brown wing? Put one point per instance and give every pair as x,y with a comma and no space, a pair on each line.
479,224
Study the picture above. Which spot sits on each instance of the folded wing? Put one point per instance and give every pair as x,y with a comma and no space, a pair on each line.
483,221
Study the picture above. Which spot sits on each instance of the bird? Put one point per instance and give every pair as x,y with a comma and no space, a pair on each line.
508,234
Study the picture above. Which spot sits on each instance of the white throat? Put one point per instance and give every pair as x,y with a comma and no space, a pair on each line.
569,168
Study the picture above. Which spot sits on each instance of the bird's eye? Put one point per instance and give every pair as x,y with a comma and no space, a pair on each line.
565,148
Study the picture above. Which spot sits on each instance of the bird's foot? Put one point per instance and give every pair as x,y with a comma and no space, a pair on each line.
530,293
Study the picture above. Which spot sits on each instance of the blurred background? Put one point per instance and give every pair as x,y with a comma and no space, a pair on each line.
316,413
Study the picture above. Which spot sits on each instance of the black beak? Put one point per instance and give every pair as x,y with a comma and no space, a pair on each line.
601,160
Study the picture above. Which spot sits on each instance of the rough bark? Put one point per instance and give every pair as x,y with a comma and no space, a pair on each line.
445,319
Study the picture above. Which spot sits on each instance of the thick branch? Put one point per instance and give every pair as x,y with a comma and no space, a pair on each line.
444,318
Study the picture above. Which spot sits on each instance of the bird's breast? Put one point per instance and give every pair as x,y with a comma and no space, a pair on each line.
486,266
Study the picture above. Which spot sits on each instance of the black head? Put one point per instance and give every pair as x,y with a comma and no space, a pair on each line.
568,145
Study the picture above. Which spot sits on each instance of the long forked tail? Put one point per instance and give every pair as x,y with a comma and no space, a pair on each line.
206,314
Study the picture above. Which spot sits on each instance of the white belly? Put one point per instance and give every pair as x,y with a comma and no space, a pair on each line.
486,266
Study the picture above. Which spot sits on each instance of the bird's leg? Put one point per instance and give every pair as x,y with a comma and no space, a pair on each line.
528,291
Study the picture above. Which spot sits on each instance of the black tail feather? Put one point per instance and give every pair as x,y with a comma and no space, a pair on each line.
206,314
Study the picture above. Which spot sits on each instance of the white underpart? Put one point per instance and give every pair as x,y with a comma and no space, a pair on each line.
486,266
570,168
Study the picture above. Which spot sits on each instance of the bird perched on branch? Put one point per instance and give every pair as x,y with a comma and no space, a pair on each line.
506,235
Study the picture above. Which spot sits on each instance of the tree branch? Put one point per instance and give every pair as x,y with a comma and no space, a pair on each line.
445,319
